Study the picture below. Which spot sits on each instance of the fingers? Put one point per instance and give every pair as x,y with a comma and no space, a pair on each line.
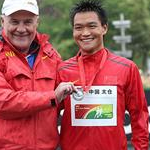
64,89
69,88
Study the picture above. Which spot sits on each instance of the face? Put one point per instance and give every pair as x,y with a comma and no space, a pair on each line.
20,29
88,32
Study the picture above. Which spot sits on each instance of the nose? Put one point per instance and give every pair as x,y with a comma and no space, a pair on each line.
86,32
21,28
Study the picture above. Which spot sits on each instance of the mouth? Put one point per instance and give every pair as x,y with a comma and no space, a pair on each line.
20,35
87,40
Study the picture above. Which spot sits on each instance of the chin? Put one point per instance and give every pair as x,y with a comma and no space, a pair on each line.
20,48
21,45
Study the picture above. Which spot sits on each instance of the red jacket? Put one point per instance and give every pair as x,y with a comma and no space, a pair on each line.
116,71
27,101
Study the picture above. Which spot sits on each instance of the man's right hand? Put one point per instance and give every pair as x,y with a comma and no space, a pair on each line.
63,90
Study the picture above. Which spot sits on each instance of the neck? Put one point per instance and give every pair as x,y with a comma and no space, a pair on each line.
23,51
90,53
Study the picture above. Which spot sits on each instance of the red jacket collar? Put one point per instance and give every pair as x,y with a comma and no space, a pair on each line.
92,55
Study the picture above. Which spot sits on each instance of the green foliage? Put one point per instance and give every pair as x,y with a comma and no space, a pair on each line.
55,22
138,11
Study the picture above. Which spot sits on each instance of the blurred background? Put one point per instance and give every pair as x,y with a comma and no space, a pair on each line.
129,32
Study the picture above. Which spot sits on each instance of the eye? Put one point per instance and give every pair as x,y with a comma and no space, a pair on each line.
14,22
78,28
92,26
28,22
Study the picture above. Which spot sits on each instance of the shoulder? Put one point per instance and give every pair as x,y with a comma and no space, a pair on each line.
50,52
2,53
119,60
67,64
3,57
47,47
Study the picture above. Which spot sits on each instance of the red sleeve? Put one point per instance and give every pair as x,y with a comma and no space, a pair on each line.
60,105
136,104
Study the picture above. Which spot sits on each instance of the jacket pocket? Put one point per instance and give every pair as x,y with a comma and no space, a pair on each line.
19,80
46,69
15,73
45,74
45,79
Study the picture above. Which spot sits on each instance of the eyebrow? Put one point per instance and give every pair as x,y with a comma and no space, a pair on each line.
89,23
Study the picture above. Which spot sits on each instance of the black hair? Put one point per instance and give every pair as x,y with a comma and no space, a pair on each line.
86,6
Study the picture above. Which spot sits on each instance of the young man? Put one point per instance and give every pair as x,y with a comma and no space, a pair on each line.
108,85
28,64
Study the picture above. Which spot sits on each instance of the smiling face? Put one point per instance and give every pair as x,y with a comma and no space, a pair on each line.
88,32
20,29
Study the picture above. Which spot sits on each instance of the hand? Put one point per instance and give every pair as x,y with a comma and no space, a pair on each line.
63,90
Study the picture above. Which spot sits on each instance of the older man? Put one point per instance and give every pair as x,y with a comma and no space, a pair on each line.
28,63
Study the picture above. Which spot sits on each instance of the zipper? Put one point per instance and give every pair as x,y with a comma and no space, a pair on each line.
35,129
32,80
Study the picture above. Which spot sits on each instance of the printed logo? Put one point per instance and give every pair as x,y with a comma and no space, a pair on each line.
94,111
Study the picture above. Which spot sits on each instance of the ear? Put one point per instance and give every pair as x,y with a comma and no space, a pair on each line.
105,29
2,20
38,21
